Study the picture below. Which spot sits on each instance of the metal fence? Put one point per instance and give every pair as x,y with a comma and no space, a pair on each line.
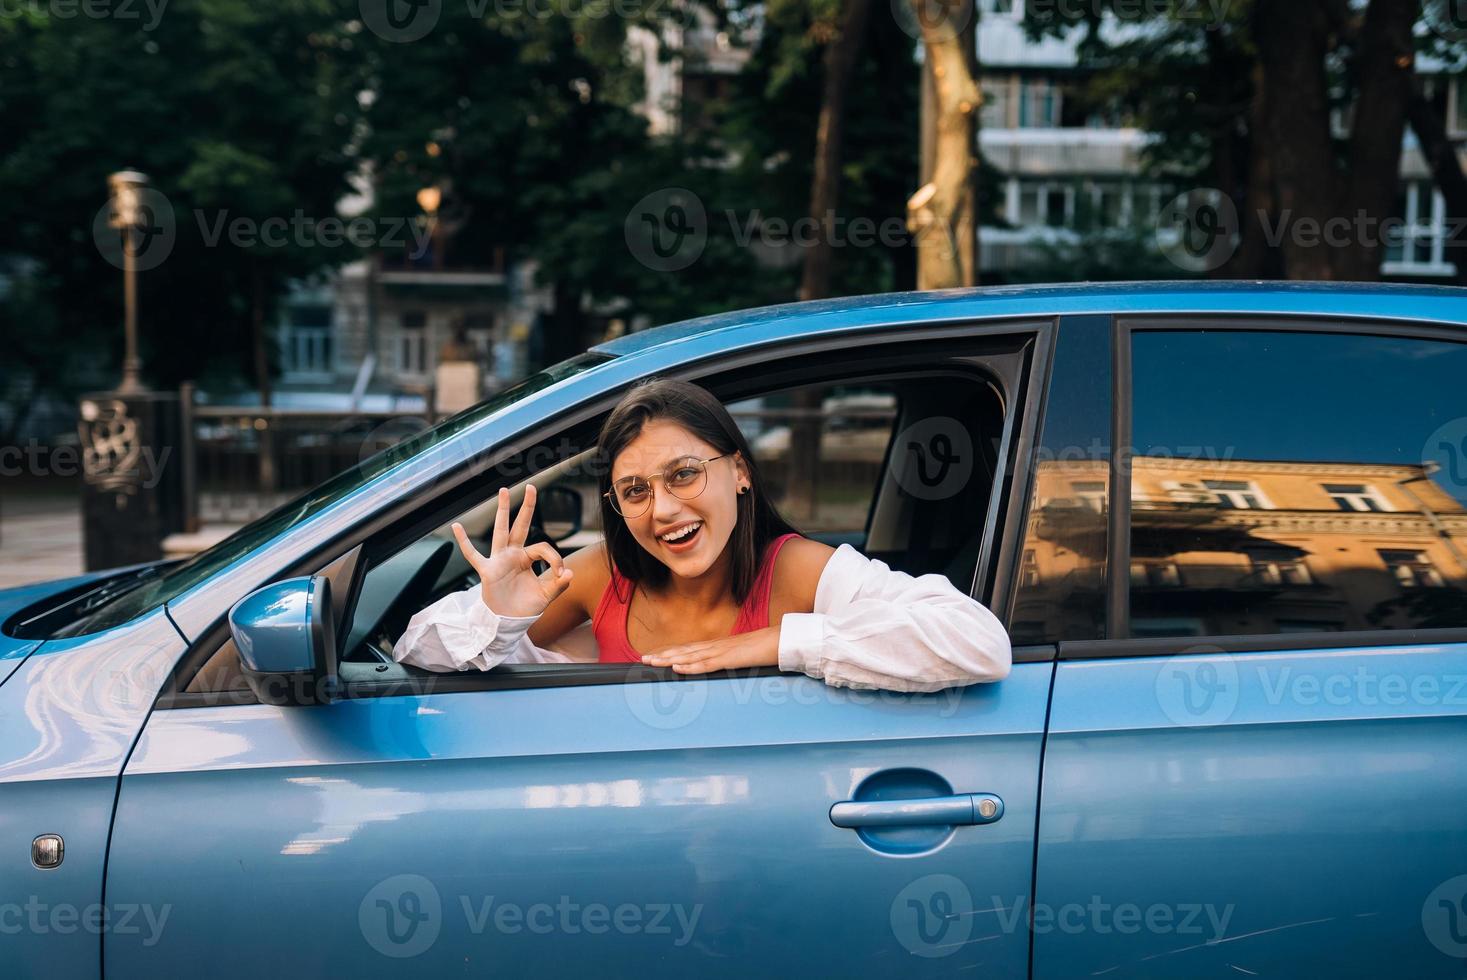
245,461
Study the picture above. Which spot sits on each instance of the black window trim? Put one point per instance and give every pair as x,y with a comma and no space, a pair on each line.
1119,643
1026,333
1005,592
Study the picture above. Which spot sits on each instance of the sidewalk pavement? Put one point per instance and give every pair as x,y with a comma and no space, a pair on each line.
40,539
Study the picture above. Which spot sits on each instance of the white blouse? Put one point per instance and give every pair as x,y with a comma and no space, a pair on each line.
872,628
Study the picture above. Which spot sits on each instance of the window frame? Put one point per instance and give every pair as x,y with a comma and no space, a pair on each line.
1119,641
840,358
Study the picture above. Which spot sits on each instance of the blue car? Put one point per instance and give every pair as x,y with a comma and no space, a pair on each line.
1225,526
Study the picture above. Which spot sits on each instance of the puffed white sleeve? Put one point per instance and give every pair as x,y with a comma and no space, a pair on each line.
459,632
876,628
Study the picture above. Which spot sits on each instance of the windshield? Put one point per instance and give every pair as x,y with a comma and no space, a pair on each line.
131,602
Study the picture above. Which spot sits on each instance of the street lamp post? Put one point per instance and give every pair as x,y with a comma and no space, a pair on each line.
127,189
430,199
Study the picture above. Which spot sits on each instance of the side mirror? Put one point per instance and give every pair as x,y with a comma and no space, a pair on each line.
287,641
558,512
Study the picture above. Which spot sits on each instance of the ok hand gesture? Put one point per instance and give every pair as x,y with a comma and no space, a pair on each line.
507,577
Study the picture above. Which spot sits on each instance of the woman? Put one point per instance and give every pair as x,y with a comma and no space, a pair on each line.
699,573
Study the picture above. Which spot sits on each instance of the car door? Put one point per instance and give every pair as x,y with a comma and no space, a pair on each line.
590,819
1262,770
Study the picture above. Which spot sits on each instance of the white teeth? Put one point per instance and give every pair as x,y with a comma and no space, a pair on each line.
678,535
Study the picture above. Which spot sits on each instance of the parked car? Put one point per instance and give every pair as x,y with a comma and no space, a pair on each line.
1224,524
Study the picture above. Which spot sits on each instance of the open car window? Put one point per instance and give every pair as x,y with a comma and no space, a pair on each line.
900,470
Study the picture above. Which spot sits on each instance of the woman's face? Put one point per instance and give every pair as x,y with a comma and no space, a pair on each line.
711,515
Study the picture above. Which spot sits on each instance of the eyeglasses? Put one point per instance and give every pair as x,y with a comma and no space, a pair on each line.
684,478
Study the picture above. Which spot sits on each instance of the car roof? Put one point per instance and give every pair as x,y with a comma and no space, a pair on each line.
1437,304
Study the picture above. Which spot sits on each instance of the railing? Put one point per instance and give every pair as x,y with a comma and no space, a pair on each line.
247,461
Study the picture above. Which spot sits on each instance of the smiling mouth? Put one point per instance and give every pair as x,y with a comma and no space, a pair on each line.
683,536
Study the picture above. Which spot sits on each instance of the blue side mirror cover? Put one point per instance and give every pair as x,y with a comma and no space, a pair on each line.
286,637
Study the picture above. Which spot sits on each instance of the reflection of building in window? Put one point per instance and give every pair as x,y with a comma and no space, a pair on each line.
1155,575
1091,494
1412,569
1356,496
1261,545
1279,566
1029,570
1237,494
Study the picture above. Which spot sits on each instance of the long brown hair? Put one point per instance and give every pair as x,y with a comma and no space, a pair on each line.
695,409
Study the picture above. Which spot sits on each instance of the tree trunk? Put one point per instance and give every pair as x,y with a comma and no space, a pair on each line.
1293,40
806,427
943,213
1446,169
840,59
1386,67
1330,211
1255,258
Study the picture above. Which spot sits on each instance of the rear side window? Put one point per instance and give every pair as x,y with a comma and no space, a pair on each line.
1296,482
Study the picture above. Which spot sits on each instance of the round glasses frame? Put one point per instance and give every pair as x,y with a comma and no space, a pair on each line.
701,484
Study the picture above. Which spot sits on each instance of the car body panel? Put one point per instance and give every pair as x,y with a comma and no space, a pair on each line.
708,796
68,718
1268,810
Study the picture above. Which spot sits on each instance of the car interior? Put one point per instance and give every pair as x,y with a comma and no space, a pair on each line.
862,497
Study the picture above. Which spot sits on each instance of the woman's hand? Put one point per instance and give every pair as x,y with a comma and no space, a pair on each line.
507,578
759,648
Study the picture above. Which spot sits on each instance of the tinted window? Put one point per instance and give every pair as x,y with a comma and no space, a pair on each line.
1288,482
1060,592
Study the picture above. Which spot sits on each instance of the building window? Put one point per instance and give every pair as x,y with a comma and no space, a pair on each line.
412,344
1356,496
1029,569
1418,245
1091,494
1412,569
1039,105
1237,494
1279,566
306,341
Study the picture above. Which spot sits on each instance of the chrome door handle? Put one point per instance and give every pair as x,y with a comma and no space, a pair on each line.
966,808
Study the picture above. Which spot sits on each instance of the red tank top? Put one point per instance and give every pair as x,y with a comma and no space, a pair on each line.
610,622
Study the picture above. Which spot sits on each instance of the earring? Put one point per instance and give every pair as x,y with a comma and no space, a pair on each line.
743,490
